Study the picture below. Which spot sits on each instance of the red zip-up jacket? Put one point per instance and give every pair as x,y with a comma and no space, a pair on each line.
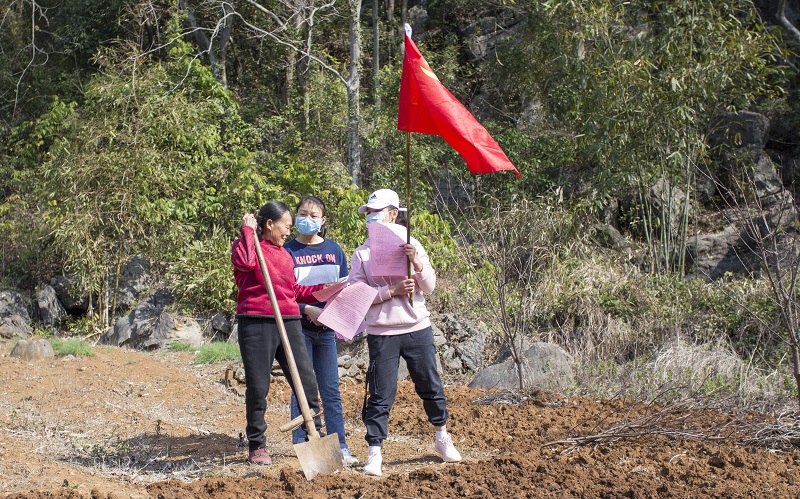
252,299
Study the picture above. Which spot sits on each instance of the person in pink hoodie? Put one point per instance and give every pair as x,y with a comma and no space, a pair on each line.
259,341
398,327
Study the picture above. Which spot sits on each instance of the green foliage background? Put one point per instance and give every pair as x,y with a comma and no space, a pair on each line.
124,141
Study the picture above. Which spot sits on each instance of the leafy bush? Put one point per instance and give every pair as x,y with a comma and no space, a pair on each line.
202,276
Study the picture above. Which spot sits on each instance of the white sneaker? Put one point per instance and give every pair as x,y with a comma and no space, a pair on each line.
347,458
373,466
445,448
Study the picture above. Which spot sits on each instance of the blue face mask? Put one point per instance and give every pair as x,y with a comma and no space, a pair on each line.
378,216
308,226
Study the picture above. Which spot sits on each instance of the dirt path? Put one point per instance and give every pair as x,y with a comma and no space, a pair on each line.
129,424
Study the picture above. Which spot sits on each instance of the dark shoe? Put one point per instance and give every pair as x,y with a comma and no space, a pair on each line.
259,456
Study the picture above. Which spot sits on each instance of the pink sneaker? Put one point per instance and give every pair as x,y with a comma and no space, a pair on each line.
259,456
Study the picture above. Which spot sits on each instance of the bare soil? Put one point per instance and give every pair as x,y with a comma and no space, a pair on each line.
131,424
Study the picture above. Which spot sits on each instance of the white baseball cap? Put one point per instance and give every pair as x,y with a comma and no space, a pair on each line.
380,199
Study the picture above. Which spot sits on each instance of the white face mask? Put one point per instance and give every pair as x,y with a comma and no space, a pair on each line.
378,216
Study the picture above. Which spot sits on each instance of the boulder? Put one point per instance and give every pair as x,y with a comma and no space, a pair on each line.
74,301
149,327
35,349
167,330
14,316
545,366
134,279
234,336
50,311
488,32
465,343
221,324
736,130
669,202
720,253
607,236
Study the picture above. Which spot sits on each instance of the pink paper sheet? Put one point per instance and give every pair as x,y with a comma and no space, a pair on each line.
386,249
345,312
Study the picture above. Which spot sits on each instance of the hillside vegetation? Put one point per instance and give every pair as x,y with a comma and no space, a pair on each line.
148,128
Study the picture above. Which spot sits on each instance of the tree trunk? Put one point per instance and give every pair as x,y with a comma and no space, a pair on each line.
305,64
376,53
353,93
785,22
217,49
390,21
403,21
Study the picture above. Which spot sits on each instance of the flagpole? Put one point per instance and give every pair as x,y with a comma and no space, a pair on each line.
408,206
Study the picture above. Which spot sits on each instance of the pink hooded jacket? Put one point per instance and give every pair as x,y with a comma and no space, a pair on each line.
394,315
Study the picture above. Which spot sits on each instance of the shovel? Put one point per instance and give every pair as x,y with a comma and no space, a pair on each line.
319,454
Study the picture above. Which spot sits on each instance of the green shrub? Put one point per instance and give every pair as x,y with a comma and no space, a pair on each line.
218,351
181,346
76,347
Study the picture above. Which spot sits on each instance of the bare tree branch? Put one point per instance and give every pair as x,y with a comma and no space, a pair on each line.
785,22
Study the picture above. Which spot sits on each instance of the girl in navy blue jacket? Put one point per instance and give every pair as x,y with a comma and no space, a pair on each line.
319,260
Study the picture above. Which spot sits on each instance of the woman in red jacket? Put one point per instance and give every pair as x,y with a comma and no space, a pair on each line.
259,340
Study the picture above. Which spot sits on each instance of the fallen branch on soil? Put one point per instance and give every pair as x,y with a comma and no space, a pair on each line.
782,434
679,421
538,396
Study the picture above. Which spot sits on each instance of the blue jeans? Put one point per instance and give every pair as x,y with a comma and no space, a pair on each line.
321,348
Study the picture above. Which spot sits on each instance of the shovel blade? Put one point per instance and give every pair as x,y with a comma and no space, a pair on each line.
319,455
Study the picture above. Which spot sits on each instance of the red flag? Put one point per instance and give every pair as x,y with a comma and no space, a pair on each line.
427,107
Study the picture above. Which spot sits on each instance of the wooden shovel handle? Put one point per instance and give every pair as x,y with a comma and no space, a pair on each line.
298,385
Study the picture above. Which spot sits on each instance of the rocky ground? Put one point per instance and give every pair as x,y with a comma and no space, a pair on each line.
130,424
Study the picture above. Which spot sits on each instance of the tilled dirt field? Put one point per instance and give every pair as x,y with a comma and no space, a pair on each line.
130,424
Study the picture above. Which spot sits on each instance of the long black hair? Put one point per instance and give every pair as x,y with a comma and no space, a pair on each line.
273,210
319,204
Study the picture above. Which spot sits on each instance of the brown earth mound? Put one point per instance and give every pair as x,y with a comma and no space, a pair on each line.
128,424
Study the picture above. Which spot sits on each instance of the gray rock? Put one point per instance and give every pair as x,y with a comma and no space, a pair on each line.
742,129
669,203
234,336
466,342
545,366
714,255
609,237
51,312
146,326
489,32
133,281
167,330
221,324
36,349
731,250
14,316
75,302
521,343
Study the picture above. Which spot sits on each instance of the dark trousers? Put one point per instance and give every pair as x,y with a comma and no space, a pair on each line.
260,344
418,350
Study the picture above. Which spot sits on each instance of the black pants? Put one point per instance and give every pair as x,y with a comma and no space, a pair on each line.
260,344
418,350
